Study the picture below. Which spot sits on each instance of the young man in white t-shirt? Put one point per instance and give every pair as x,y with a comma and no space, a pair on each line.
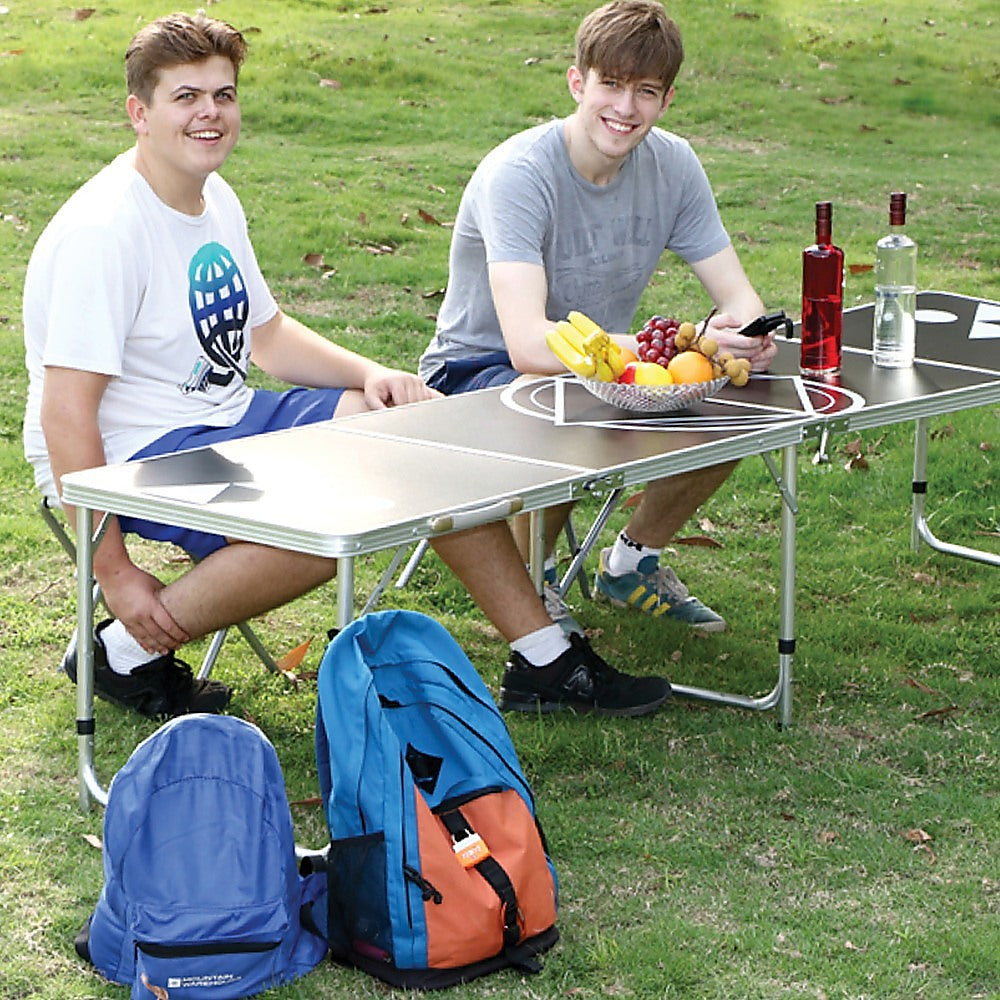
143,309
574,215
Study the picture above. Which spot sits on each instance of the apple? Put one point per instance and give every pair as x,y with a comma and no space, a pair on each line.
652,373
627,377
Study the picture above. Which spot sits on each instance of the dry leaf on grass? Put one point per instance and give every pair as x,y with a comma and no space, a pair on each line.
313,800
93,840
703,540
921,842
293,659
910,682
936,713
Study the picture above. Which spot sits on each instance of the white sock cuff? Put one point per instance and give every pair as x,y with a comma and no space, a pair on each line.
626,553
542,646
124,653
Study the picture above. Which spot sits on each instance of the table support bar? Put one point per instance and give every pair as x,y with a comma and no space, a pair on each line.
920,531
780,695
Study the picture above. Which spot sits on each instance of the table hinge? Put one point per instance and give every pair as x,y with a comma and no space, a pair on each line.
599,487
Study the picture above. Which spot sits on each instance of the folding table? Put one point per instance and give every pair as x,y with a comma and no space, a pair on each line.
380,480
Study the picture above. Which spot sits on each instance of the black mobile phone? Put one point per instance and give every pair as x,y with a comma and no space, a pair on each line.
763,325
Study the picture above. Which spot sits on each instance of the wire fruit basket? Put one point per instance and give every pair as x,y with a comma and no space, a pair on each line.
652,398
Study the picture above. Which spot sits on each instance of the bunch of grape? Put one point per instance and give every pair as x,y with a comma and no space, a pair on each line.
661,339
658,339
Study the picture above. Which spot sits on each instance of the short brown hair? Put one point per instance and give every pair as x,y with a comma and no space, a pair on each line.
175,40
630,40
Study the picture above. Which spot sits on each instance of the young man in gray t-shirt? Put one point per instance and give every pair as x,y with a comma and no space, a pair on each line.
574,215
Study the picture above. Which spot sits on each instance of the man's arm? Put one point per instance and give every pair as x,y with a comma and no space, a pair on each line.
519,295
292,352
70,401
729,288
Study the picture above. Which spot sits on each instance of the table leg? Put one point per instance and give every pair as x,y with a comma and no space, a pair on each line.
536,520
786,637
345,591
90,787
780,695
920,531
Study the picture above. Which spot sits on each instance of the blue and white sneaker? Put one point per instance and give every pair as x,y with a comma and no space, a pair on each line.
655,590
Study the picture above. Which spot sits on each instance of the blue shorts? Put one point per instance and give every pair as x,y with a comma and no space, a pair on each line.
268,411
466,374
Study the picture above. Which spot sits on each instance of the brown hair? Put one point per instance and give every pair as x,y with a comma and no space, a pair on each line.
174,40
630,40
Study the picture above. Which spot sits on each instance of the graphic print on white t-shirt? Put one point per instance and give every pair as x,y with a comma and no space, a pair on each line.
219,305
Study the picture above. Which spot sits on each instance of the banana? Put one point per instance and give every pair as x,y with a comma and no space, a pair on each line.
572,334
583,347
615,361
567,353
603,371
584,324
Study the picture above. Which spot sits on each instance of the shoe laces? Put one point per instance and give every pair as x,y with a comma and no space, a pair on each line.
177,682
602,672
665,581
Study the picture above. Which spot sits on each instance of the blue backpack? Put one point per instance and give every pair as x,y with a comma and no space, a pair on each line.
437,868
202,894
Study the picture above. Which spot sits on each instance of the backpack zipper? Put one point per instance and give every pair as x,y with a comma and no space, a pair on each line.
158,950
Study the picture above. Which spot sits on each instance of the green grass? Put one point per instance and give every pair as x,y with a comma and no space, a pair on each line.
702,852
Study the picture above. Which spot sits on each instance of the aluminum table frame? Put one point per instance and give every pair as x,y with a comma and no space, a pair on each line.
333,489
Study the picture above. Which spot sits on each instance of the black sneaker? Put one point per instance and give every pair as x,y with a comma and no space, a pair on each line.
579,680
164,687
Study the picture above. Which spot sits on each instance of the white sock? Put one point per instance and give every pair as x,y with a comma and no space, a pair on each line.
542,646
124,653
626,553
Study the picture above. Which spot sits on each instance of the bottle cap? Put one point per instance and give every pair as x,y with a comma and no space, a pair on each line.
824,211
897,208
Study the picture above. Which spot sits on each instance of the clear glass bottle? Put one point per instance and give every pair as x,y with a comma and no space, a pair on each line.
895,325
822,299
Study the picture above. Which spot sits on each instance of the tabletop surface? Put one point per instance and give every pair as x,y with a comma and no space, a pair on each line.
367,482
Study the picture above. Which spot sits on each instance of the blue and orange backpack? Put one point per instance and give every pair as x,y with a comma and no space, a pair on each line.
437,869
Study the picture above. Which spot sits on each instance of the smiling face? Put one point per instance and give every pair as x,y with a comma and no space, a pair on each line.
187,129
612,117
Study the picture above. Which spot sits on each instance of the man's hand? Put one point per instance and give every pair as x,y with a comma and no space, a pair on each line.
759,351
392,387
132,596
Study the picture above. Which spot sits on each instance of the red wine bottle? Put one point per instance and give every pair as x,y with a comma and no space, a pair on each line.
822,299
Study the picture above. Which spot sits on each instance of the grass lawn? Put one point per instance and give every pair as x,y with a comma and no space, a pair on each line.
702,852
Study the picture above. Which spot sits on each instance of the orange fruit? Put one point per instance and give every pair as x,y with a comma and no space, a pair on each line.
690,366
628,356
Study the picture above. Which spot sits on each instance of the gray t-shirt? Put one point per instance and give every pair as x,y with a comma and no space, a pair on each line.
598,244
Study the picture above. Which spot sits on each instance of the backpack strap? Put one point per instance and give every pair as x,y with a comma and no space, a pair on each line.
493,872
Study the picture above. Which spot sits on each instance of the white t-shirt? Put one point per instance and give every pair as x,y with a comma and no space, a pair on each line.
164,303
599,244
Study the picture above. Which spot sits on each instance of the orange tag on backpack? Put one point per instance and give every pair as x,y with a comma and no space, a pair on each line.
470,850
